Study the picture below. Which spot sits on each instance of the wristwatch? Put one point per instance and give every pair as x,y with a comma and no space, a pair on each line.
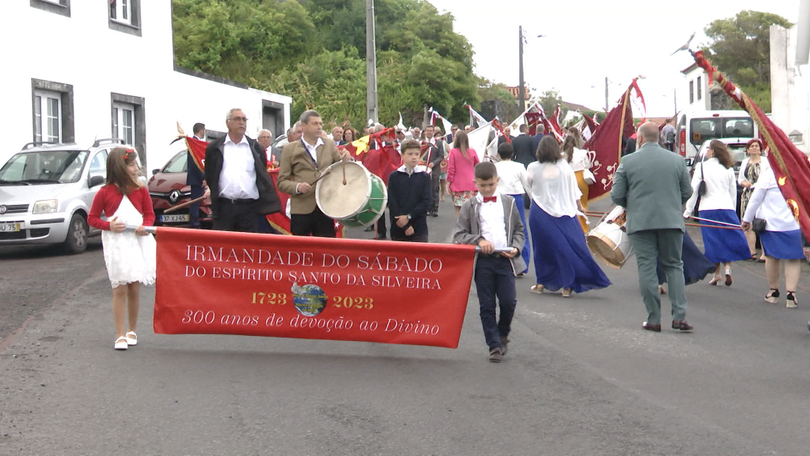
409,216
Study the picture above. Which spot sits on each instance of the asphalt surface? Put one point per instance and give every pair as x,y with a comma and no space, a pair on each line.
581,377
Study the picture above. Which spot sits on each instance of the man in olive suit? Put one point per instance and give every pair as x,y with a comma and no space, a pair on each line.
652,184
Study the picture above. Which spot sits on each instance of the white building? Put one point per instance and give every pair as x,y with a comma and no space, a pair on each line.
790,85
77,70
697,89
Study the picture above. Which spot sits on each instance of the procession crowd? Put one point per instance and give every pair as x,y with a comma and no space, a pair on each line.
536,188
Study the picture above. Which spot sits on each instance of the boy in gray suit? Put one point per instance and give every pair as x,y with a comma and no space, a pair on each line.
652,185
492,221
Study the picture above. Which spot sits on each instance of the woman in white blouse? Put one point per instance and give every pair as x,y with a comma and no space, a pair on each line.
561,256
718,204
581,165
512,181
782,238
750,170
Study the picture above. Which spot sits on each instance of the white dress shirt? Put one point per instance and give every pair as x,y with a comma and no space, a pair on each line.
491,220
512,178
767,202
313,150
721,187
237,180
554,187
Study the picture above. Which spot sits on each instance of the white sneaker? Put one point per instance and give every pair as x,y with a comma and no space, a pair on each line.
121,343
132,338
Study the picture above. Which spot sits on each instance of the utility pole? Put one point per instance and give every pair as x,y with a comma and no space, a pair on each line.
607,105
371,63
522,87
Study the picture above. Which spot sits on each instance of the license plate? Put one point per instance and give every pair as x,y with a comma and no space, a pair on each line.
174,218
9,227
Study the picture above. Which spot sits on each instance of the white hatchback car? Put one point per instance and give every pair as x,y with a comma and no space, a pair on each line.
46,191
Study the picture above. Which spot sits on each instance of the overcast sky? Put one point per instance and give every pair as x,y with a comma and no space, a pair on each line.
588,40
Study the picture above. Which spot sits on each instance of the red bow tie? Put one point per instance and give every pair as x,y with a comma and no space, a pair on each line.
490,199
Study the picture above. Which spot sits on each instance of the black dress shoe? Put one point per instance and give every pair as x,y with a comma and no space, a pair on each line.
682,325
649,327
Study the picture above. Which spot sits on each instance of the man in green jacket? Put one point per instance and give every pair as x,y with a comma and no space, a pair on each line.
652,185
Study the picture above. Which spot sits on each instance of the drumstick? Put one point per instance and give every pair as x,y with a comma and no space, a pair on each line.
344,172
320,177
714,226
187,203
715,221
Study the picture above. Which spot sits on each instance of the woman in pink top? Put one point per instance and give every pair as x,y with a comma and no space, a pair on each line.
461,170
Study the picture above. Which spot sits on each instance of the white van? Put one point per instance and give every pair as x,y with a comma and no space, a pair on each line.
695,128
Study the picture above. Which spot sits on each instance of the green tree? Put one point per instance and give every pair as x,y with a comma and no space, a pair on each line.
549,100
740,47
314,51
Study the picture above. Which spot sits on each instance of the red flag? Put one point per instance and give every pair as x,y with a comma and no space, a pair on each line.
498,126
789,164
197,149
591,123
532,119
383,161
606,146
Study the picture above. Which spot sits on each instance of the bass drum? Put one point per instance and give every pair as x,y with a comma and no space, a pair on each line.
609,242
358,203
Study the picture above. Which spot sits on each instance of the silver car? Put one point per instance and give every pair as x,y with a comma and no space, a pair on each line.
46,191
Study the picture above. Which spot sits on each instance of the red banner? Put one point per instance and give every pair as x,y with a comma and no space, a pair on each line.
790,165
605,146
216,282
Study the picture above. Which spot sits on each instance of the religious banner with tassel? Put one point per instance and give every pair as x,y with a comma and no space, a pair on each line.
790,165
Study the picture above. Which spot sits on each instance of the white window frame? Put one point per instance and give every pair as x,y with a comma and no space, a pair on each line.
124,122
121,11
43,117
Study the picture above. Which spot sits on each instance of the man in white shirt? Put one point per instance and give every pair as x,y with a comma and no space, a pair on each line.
236,172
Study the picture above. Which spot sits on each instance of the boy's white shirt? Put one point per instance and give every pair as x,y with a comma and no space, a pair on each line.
416,169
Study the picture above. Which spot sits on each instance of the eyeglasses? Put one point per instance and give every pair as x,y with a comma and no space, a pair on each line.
239,119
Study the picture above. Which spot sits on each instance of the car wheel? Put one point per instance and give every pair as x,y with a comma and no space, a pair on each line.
76,241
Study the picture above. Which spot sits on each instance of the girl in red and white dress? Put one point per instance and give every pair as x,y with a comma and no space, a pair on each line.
130,255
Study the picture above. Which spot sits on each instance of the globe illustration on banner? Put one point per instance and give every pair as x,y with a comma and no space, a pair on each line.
309,300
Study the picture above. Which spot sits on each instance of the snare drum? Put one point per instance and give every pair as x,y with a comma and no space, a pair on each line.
359,203
609,242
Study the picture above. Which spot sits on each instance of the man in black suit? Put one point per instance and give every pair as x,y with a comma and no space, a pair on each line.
196,179
236,172
452,135
523,145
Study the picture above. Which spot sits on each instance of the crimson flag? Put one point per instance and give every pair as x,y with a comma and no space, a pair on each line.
532,119
197,149
790,165
606,146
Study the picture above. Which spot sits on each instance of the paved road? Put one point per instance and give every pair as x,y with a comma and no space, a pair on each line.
581,378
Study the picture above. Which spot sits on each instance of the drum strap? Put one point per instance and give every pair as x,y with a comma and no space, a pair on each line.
309,155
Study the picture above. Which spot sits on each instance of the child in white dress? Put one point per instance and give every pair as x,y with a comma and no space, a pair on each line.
129,251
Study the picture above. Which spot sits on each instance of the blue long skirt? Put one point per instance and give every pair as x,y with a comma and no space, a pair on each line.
783,245
527,248
695,265
722,245
561,255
